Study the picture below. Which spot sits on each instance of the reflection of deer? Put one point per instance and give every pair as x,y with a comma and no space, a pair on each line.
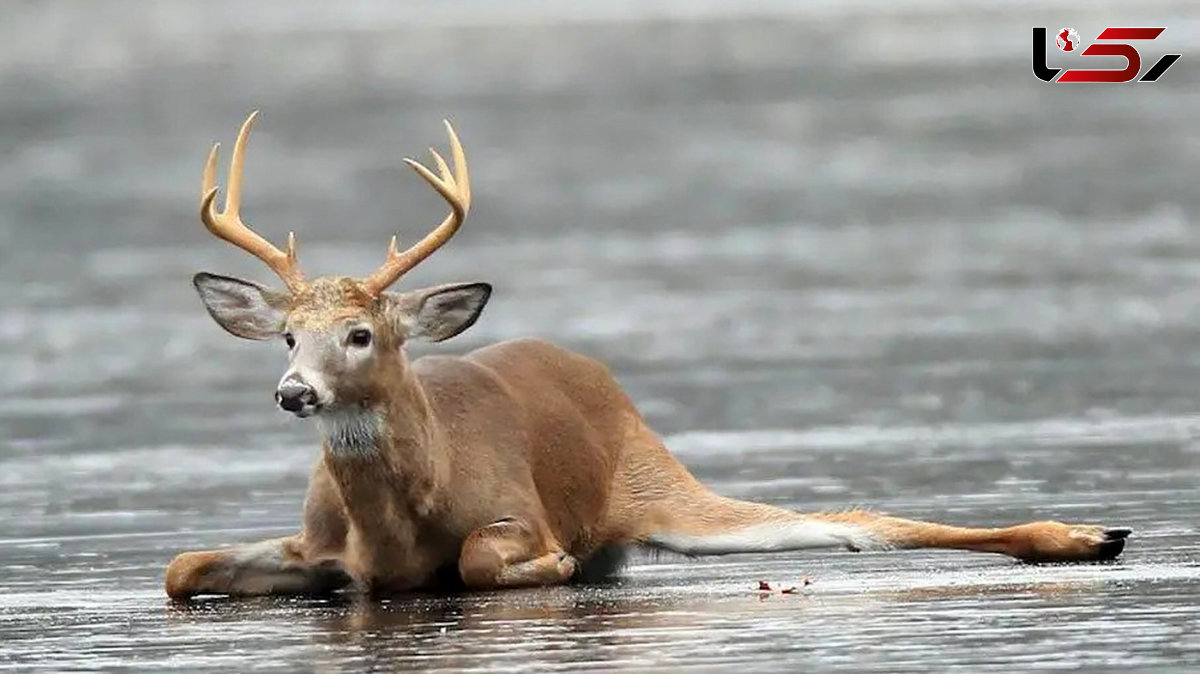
517,464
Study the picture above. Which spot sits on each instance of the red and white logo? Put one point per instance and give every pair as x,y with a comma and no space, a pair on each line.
1112,41
1068,39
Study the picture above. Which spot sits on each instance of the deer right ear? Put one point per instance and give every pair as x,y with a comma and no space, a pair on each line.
438,313
243,308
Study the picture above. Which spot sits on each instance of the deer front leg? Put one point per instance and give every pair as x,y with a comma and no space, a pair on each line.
272,567
508,553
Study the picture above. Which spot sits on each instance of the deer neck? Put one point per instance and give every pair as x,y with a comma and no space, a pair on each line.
384,456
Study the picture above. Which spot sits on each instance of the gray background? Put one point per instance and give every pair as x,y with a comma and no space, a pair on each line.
839,253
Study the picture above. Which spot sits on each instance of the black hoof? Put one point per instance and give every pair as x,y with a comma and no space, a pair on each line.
1117,534
1113,544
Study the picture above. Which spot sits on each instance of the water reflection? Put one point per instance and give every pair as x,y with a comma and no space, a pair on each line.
714,619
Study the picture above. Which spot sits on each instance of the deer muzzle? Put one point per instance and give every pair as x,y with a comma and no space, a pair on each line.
297,397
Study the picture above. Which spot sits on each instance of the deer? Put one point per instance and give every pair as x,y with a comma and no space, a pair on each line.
514,465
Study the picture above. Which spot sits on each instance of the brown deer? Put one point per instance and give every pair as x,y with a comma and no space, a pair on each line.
514,465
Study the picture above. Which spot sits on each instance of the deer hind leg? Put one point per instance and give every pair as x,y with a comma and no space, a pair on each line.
272,567
715,525
1030,542
511,553
665,507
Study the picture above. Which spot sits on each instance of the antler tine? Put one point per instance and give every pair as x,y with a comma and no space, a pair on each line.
210,172
461,177
455,188
228,224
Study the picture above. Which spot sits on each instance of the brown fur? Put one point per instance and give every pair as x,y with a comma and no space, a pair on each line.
517,464
545,440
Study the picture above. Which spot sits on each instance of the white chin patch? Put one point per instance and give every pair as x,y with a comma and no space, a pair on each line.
351,432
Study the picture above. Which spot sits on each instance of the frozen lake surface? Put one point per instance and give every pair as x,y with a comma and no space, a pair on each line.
895,271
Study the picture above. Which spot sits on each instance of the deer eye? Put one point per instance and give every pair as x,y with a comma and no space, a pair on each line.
360,337
290,339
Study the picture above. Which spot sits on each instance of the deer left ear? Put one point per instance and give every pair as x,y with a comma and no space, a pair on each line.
243,308
438,313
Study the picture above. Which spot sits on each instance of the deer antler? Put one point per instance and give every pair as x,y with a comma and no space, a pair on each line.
228,225
455,188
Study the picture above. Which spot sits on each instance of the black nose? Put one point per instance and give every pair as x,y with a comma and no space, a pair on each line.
293,396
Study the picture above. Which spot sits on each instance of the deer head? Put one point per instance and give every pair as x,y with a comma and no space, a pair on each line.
345,336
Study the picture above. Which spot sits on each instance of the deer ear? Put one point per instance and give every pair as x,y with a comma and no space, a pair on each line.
441,312
243,308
